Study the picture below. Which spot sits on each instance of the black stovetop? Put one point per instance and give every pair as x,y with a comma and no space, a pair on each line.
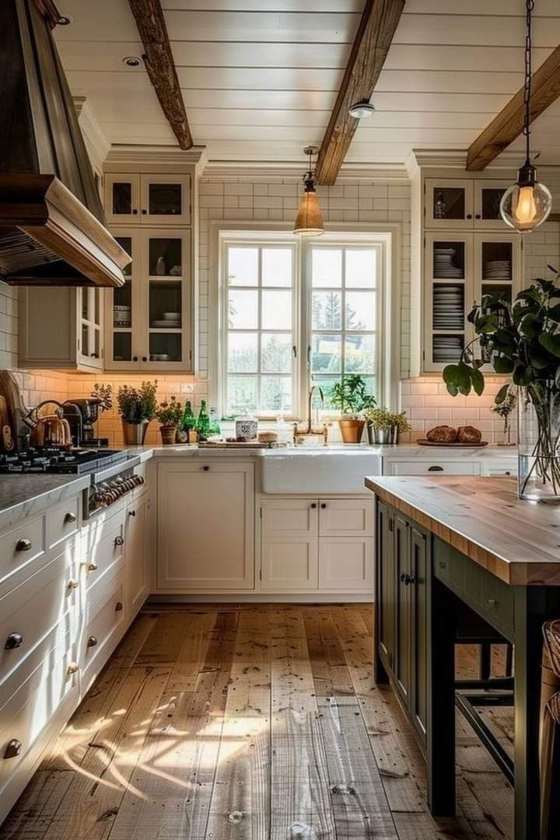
53,459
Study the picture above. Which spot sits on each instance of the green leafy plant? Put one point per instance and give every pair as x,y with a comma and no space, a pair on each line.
382,418
169,413
521,340
138,404
350,395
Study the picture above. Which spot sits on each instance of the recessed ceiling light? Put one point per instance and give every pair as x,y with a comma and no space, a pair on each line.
64,20
361,109
132,61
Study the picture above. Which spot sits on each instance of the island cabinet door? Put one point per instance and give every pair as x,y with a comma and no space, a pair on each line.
420,569
403,571
385,585
205,526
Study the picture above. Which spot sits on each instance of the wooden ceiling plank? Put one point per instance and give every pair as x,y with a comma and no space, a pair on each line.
508,124
369,51
160,65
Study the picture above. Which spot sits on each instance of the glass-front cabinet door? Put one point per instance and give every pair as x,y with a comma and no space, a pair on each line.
124,325
498,260
90,318
122,199
448,295
165,200
448,203
487,198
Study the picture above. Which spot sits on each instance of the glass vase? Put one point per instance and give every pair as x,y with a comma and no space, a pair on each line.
539,443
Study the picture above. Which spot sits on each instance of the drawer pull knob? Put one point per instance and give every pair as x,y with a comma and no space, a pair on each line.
69,518
13,749
206,468
73,584
23,545
13,641
407,579
492,602
119,541
323,506
313,505
91,642
132,513
73,668
92,566
119,606
435,468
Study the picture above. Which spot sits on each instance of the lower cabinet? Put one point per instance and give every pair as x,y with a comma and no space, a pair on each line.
403,569
316,545
138,545
205,529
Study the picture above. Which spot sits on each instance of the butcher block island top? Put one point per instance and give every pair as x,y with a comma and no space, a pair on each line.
518,542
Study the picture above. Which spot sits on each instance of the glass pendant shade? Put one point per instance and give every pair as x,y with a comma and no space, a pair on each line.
309,219
526,206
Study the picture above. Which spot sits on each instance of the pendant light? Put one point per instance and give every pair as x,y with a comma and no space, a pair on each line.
527,203
309,219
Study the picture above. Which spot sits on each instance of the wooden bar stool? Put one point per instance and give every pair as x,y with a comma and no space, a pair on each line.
550,733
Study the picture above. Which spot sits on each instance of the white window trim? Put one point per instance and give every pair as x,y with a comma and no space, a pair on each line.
388,236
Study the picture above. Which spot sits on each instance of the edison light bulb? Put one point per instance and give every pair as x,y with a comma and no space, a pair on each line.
526,206
526,210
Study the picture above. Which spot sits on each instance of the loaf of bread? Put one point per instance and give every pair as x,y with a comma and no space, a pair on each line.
468,434
442,434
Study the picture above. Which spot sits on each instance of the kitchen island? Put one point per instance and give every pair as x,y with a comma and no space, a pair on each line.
450,550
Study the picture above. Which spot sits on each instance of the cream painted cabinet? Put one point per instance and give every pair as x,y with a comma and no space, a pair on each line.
138,552
147,199
205,526
455,203
320,545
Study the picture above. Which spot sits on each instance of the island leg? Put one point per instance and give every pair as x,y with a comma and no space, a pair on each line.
441,701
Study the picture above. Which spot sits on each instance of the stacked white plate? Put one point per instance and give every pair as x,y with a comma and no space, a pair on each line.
497,270
448,307
447,348
444,265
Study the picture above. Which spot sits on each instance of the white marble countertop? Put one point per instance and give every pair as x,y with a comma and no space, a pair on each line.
23,495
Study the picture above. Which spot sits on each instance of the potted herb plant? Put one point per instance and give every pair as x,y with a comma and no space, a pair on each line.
351,398
522,340
169,415
384,426
137,407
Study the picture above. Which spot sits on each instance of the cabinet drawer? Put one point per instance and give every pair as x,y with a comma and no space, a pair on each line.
432,467
345,518
26,716
290,516
101,554
105,620
30,611
346,564
20,547
63,521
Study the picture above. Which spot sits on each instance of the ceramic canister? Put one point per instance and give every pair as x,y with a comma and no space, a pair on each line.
246,428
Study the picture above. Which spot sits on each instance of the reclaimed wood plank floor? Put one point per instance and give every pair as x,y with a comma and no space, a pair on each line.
252,722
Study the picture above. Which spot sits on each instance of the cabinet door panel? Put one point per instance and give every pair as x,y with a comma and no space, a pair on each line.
402,605
386,577
345,518
290,516
165,200
436,467
449,203
205,526
346,564
138,553
419,593
289,564
122,197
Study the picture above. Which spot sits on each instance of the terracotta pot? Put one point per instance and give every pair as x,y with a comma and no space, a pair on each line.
351,430
134,434
168,434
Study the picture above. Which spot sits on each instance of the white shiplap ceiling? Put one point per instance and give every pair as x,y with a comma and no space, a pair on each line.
260,77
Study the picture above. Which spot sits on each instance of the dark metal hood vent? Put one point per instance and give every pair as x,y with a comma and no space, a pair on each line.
52,228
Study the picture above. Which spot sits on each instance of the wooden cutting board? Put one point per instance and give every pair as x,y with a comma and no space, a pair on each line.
15,407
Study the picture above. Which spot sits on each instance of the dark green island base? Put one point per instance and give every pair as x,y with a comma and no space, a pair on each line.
450,551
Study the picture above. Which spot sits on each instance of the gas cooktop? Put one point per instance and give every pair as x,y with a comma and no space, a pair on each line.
52,459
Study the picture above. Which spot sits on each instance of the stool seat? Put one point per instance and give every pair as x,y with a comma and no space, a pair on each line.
550,732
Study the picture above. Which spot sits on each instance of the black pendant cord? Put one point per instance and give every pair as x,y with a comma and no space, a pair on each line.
530,5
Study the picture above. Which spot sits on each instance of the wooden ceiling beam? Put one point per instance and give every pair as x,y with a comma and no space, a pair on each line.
369,51
160,65
508,124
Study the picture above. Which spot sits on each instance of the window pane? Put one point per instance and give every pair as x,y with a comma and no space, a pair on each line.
326,310
243,266
277,310
359,354
242,394
243,308
360,311
243,352
326,353
276,352
326,267
360,268
276,393
326,384
277,266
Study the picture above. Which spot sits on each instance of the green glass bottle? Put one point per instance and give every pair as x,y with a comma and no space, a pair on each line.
203,422
214,425
188,420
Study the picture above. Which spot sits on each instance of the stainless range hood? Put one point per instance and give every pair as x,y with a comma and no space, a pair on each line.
52,229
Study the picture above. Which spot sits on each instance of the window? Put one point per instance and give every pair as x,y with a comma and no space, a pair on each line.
296,314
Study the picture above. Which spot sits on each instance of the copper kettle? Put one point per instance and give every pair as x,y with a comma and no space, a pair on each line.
50,429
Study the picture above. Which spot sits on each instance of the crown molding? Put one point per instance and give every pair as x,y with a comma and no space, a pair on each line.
267,170
155,155
96,143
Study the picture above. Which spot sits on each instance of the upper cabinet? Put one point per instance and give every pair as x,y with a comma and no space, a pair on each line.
458,204
158,200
